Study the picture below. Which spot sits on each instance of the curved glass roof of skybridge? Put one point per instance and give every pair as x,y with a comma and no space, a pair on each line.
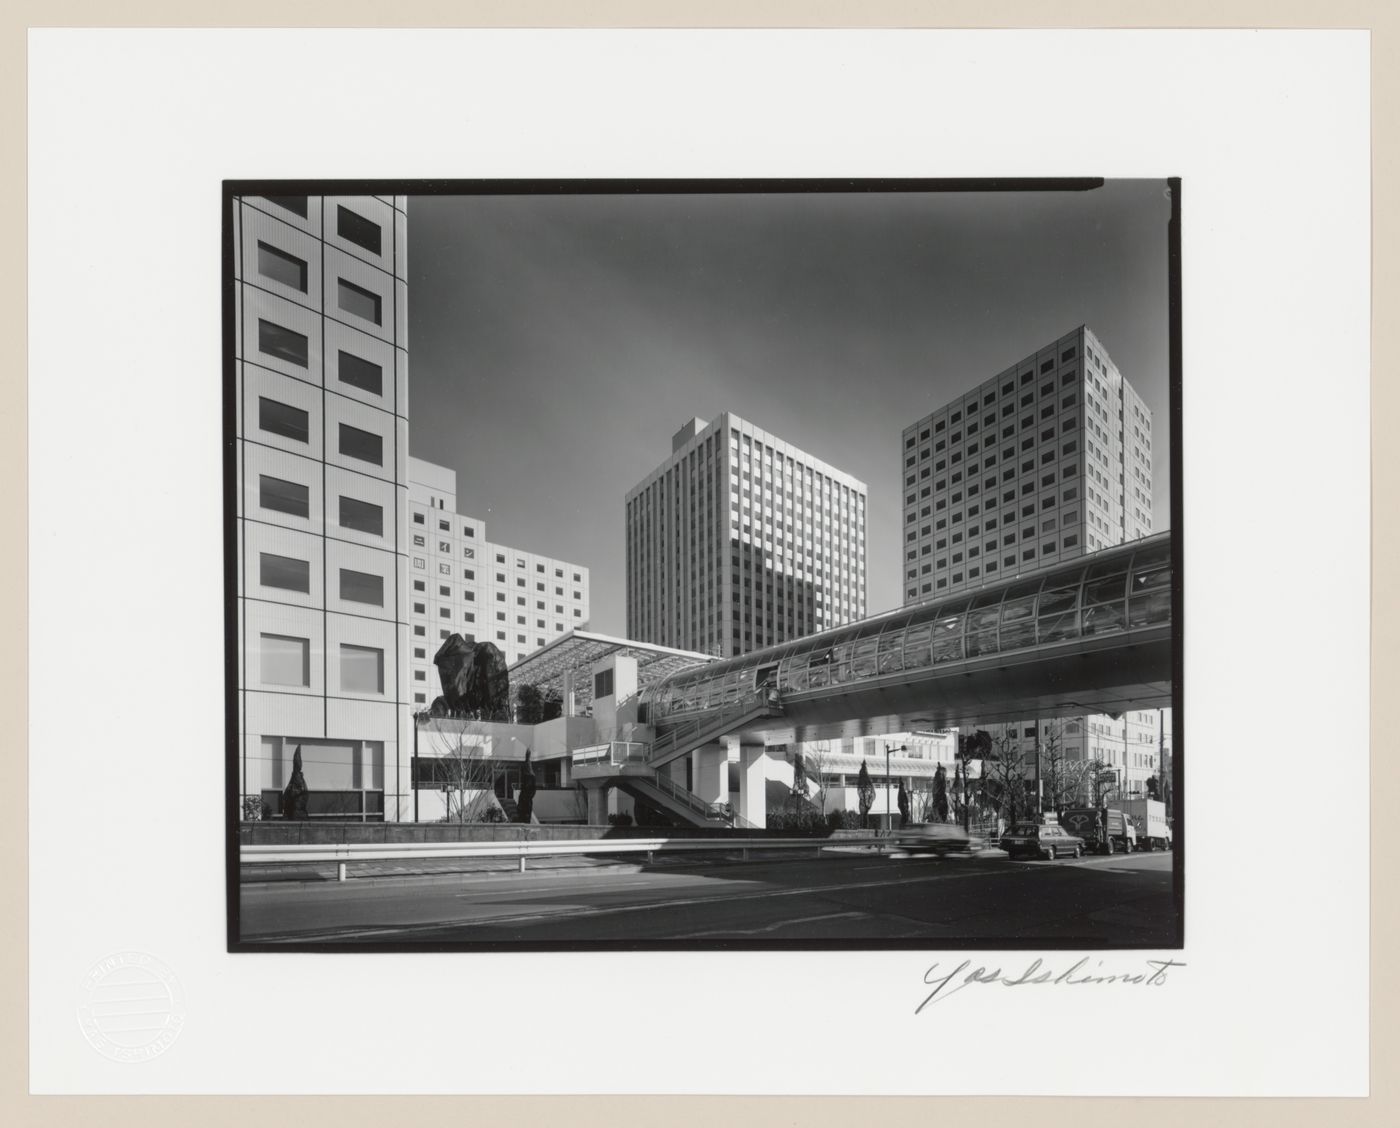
1103,603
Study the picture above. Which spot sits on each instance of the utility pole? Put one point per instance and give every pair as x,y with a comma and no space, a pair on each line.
1039,806
1126,757
1162,756
889,817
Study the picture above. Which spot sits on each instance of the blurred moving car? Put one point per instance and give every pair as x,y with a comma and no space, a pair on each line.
1034,840
936,838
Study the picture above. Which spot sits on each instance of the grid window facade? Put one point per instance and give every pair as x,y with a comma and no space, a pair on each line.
740,540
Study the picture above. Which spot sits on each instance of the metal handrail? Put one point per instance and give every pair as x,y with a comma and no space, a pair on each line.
766,699
681,794
615,752
344,853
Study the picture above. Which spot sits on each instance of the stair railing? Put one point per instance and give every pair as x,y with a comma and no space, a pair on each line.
760,701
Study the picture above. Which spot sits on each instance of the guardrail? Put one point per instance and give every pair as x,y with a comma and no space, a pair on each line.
615,752
345,853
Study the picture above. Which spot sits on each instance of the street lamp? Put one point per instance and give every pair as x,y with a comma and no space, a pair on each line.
889,811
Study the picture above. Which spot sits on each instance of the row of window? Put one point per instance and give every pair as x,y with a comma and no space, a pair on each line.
1008,388
294,499
290,573
277,418
293,347
349,225
286,660
287,344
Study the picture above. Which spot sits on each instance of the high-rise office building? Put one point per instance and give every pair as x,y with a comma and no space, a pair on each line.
320,343
1045,461
461,583
740,540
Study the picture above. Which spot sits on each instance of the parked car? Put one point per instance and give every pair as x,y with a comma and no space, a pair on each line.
1034,840
936,838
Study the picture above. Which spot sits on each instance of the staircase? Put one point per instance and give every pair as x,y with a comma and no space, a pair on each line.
662,791
689,735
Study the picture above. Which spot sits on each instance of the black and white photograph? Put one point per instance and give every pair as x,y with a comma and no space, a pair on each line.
770,564
685,562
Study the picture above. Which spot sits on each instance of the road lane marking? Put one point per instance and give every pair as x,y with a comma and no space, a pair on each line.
611,910
775,925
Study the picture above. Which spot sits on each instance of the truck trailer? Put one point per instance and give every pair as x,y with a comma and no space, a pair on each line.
1149,819
1105,830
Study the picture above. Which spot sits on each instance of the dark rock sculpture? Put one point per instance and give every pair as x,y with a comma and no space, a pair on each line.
295,794
525,800
475,683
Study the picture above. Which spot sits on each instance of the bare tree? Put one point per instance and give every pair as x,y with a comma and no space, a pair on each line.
817,759
1069,780
1006,776
463,768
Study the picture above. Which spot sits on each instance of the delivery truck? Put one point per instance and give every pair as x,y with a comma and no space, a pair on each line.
1105,830
1149,819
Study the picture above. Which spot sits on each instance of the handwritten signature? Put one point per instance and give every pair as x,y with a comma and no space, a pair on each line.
1036,974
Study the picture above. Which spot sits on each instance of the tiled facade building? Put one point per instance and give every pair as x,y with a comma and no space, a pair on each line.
740,540
459,582
1047,460
320,349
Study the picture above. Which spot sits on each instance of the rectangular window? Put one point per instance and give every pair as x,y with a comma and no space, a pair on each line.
283,343
361,669
283,496
285,660
361,516
361,373
364,445
361,587
284,572
281,267
294,204
357,229
359,302
603,683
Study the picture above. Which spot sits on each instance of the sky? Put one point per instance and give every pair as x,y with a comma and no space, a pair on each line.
556,343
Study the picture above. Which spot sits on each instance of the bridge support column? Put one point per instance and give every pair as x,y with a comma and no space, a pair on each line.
712,773
753,784
598,806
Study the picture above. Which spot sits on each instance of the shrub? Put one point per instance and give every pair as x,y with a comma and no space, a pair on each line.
843,820
620,820
796,822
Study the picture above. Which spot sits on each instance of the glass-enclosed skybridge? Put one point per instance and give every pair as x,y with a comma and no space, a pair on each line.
1093,636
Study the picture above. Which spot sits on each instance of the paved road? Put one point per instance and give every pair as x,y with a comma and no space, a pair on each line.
1116,901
